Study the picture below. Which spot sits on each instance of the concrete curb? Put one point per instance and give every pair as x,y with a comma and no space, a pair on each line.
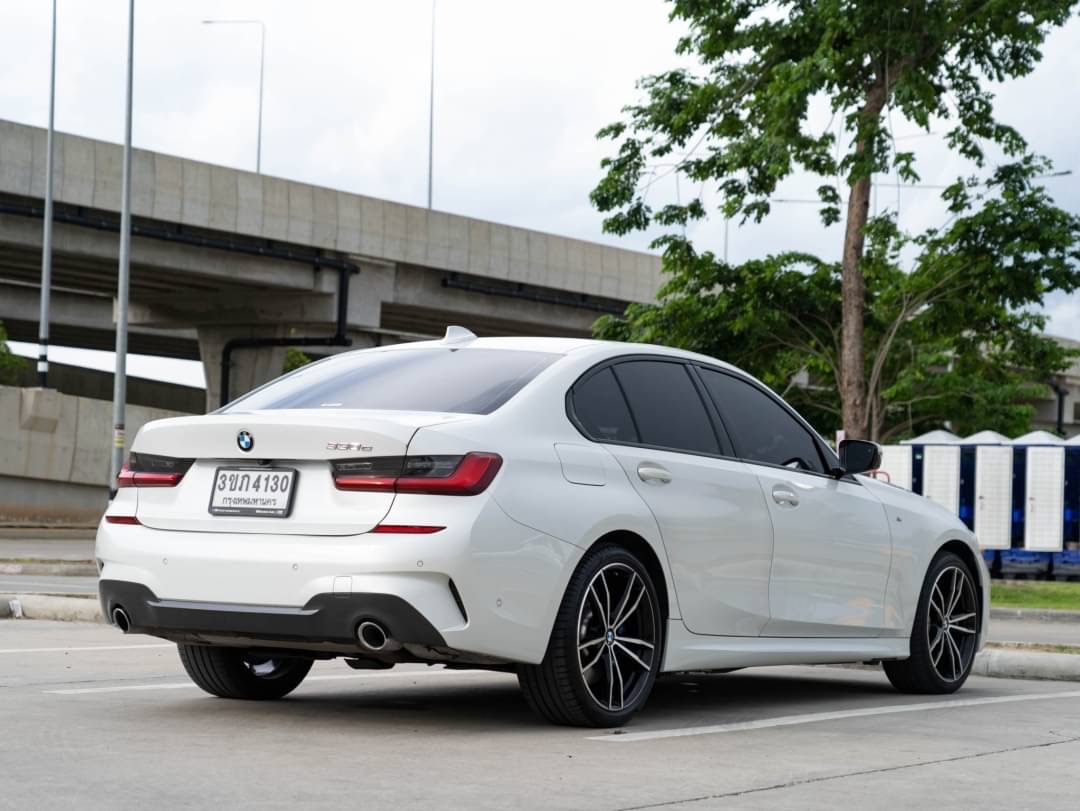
1034,614
47,533
52,569
49,607
1018,664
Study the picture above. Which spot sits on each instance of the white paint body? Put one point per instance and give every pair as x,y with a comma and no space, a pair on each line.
834,577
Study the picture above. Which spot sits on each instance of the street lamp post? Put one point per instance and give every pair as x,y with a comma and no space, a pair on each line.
46,240
124,275
431,111
262,64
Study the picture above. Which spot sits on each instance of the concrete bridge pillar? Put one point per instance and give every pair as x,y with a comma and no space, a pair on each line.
249,366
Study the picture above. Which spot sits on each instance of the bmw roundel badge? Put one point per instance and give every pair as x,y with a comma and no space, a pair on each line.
245,441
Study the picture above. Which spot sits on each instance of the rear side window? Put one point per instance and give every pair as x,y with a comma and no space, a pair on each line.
455,380
666,407
761,429
601,409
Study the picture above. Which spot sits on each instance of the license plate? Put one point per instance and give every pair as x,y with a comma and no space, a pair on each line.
265,491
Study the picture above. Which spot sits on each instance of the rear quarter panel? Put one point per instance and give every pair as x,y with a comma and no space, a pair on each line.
531,487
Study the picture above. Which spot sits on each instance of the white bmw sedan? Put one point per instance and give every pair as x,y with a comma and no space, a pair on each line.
587,514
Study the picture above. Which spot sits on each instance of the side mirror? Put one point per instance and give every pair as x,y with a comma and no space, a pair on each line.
859,456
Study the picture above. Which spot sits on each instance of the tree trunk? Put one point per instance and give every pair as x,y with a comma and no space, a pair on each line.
853,395
853,300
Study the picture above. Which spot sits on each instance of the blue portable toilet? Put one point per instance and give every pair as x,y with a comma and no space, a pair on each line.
935,468
1067,561
987,486
1044,491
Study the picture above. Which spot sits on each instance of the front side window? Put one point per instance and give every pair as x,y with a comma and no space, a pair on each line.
666,407
761,429
453,380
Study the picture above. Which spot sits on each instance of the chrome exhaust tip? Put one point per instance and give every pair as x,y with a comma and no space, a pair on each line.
372,635
121,620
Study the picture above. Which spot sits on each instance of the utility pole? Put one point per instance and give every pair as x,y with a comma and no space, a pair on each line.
124,275
431,110
262,65
46,240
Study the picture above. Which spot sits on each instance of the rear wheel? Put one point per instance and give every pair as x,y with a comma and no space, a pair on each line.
605,648
236,673
945,634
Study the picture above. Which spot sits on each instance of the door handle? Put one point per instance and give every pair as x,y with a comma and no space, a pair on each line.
652,473
785,497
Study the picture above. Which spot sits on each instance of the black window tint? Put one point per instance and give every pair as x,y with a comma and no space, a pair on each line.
666,406
761,429
601,409
464,381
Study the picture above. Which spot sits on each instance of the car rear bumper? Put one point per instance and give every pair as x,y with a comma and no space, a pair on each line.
326,619
486,585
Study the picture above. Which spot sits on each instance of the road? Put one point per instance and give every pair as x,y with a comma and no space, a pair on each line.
113,721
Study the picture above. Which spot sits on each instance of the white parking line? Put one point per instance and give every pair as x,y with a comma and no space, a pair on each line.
180,685
87,648
815,717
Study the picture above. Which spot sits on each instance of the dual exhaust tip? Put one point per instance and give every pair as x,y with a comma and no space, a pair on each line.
121,620
374,637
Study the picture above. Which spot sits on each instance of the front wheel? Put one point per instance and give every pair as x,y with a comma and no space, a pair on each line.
605,648
945,634
236,673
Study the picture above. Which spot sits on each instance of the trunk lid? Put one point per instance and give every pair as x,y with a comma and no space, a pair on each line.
305,441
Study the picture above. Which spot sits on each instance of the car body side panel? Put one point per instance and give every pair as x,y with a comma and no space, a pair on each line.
717,533
831,558
919,529
688,651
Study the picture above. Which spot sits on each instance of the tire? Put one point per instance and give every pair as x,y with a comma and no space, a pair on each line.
946,631
590,657
235,673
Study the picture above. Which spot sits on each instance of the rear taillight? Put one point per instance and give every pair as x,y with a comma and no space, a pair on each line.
435,475
150,470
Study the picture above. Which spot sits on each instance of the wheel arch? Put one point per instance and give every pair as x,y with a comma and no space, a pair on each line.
644,551
964,551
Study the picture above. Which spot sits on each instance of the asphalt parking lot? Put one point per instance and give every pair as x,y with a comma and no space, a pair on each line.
98,720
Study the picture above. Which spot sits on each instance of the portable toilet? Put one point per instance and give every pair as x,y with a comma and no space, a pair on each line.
1067,562
935,469
1044,490
896,465
991,463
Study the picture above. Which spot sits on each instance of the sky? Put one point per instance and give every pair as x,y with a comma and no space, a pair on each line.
521,89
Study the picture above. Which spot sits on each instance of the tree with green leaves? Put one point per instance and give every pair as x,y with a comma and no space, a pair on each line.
742,123
294,359
11,366
951,336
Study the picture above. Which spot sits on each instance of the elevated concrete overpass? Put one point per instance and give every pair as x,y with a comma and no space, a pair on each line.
223,259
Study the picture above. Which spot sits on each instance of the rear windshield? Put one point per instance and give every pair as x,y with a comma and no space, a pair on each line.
456,380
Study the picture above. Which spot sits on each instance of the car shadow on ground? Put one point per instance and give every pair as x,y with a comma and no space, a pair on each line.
496,704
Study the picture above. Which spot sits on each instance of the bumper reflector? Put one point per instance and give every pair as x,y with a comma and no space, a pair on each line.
407,529
121,519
